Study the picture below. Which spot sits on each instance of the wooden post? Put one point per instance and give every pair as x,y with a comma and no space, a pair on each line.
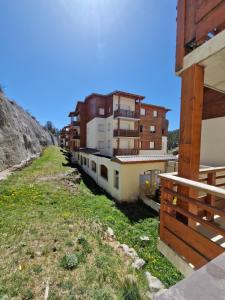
180,50
164,197
210,199
190,131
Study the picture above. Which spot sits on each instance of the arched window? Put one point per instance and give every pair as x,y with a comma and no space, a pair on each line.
93,166
104,172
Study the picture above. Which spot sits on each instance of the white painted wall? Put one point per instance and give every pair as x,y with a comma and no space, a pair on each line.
96,137
129,176
213,142
125,103
108,186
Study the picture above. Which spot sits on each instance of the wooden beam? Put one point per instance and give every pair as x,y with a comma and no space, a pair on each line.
180,49
190,130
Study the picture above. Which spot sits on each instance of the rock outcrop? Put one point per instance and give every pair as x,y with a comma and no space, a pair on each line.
21,136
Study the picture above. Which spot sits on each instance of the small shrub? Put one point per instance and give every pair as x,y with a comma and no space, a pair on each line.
84,243
130,290
69,261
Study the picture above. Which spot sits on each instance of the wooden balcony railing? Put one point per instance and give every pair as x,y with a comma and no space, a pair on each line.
127,114
126,133
201,238
117,152
197,22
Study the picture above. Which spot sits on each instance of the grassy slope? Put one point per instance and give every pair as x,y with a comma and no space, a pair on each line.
40,221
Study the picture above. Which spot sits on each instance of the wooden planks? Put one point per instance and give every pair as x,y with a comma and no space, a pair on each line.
214,104
213,20
183,249
204,7
190,25
180,49
201,244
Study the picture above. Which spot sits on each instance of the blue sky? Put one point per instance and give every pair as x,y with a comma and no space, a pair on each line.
55,52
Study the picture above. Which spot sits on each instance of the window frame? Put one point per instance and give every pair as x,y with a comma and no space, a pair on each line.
104,172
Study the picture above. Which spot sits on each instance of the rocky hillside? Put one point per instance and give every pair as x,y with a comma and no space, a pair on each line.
21,136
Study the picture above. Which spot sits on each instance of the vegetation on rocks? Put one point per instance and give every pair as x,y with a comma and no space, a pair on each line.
53,239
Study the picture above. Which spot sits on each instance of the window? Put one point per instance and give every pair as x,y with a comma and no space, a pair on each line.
85,161
152,145
101,111
101,128
141,128
155,113
88,162
104,172
93,166
116,179
101,145
142,112
152,129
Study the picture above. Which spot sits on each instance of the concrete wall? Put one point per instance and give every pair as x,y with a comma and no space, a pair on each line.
213,142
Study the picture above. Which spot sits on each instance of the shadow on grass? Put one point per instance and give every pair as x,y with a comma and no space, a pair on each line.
133,211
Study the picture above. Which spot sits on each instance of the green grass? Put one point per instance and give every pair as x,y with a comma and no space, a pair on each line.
42,222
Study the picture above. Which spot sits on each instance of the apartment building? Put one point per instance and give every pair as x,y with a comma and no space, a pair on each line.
116,136
120,124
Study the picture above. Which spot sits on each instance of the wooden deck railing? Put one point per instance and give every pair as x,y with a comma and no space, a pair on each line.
126,133
127,114
197,22
201,238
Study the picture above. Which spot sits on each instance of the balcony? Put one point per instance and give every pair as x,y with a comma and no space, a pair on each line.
118,152
126,133
192,215
123,113
75,123
197,22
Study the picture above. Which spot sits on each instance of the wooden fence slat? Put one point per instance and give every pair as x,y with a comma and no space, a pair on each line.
204,7
196,240
211,226
183,249
213,20
198,203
